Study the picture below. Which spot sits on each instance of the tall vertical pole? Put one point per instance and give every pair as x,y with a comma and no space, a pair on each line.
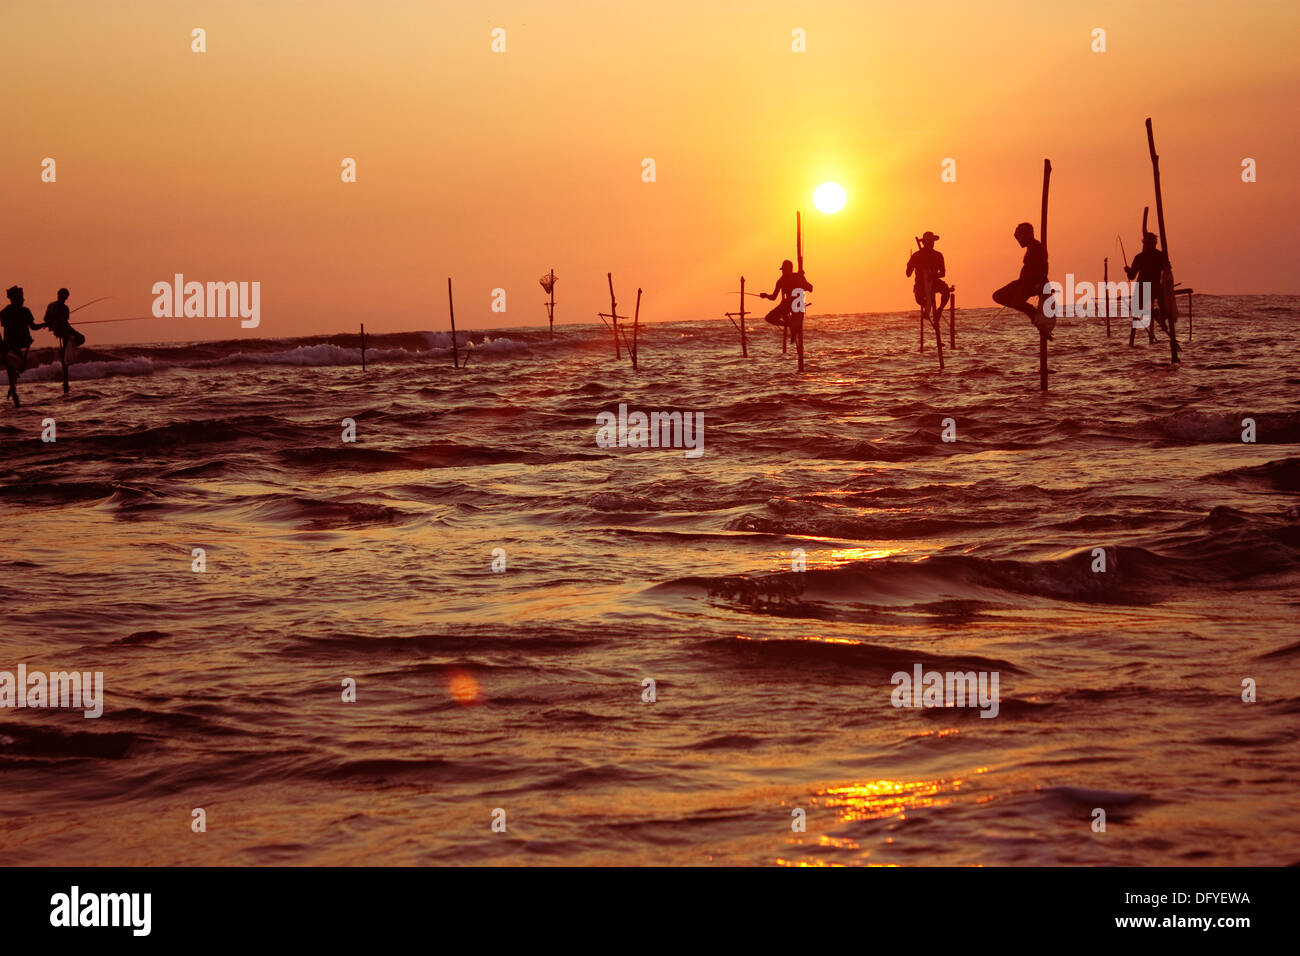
1042,232
798,256
1105,281
636,319
550,309
925,292
952,318
1168,304
613,314
744,348
451,309
363,346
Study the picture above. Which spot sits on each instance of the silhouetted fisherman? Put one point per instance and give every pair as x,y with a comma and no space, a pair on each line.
927,263
18,322
1148,269
56,320
1033,278
784,313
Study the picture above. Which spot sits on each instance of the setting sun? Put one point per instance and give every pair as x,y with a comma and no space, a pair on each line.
830,197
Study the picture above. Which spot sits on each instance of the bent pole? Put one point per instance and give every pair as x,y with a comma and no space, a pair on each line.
451,310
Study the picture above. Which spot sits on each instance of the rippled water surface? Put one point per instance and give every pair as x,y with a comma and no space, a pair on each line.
522,690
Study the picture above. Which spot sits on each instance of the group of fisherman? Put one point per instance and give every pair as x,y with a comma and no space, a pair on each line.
927,266
17,324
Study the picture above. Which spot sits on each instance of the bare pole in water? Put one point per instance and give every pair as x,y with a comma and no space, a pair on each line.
636,320
613,318
922,326
731,317
1105,296
613,312
451,310
1042,334
1169,303
744,347
952,317
363,346
798,251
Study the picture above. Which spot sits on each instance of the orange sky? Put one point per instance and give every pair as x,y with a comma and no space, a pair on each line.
493,168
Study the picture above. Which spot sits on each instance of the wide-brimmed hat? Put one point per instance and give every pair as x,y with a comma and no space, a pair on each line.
1149,239
929,237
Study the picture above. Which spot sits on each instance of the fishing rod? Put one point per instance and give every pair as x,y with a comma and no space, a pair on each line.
91,302
1120,240
137,318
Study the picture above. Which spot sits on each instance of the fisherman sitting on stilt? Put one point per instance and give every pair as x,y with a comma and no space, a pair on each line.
783,313
1148,269
1033,279
56,320
17,321
927,263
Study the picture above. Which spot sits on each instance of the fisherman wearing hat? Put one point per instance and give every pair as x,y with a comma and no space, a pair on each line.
17,321
927,263
1148,269
783,313
1033,279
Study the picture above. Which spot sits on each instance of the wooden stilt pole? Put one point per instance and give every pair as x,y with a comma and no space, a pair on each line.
798,247
613,313
1105,280
936,319
547,282
63,361
926,294
451,309
1169,302
744,347
636,319
1042,336
363,346
952,318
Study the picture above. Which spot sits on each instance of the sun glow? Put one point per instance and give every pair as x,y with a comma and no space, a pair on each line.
830,197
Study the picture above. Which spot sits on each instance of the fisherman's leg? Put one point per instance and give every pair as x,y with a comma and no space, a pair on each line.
1011,296
944,298
13,379
780,312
